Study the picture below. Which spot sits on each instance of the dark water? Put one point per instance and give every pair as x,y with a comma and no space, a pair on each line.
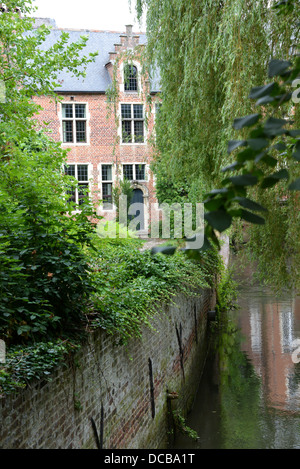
249,394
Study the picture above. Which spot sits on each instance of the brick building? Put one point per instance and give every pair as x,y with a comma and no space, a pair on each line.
107,142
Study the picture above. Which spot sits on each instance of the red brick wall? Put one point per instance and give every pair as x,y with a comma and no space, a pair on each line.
103,129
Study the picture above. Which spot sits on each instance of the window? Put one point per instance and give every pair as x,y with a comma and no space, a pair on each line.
130,78
74,123
134,172
132,116
140,172
79,172
106,176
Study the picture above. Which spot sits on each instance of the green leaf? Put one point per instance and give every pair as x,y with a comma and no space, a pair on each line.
244,180
280,146
216,192
219,220
274,127
281,174
258,132
260,156
257,143
233,144
296,155
266,100
252,218
213,204
278,67
295,185
274,178
270,161
246,155
294,133
260,91
232,167
250,204
246,121
268,182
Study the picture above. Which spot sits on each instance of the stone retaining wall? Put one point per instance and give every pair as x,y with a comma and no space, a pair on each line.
123,390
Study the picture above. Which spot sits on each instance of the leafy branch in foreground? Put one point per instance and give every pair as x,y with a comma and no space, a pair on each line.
269,155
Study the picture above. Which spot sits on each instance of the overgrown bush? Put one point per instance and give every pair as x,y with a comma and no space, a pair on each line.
44,281
23,364
128,283
44,273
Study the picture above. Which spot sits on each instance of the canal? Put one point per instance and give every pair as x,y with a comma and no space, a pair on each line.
249,393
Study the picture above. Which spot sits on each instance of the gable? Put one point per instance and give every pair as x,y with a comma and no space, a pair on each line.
97,78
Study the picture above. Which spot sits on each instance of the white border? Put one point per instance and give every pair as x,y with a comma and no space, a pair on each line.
120,124
88,129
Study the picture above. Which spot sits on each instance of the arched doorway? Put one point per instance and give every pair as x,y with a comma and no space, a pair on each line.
137,210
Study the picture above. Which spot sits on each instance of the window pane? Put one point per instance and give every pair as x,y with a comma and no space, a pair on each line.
138,131
107,195
126,131
138,111
80,111
126,111
128,171
82,193
70,170
80,131
140,172
106,172
107,190
67,111
130,78
82,172
71,194
67,131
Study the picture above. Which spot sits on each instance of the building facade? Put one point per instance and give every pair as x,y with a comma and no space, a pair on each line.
106,121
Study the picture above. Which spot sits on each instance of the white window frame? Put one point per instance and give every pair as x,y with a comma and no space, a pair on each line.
122,83
132,124
101,182
136,78
86,119
134,164
88,182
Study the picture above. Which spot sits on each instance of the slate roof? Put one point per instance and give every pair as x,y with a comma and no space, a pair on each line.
97,77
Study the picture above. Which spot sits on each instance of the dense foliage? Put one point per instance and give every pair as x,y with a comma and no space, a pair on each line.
127,285
210,55
24,364
58,278
130,282
43,271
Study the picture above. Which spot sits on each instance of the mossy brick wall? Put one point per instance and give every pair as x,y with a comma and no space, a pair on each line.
115,379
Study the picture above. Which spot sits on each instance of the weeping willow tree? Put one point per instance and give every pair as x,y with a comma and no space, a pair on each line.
210,54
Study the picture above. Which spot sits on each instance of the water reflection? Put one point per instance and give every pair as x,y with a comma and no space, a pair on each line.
270,327
249,395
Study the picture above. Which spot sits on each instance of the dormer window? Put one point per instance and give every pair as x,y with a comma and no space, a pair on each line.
130,78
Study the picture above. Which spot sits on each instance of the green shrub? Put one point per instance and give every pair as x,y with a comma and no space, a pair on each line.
128,283
24,364
44,272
